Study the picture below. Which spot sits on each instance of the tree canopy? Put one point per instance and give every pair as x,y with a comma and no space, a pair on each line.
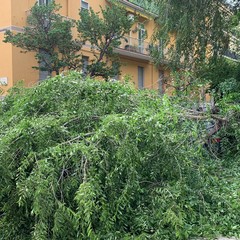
49,35
104,33
190,31
84,159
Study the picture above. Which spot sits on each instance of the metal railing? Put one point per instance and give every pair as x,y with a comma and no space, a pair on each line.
135,45
232,55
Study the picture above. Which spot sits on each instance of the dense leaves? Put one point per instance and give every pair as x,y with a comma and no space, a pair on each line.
104,33
190,31
96,160
223,76
49,35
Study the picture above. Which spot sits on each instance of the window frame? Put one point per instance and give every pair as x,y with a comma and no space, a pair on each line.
44,2
84,8
141,78
161,82
141,36
85,64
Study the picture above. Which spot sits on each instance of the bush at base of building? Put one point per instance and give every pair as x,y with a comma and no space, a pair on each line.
100,160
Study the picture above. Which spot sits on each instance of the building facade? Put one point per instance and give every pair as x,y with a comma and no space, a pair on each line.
134,53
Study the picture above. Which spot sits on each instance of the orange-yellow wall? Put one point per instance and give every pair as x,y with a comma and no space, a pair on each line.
151,74
5,13
19,12
22,65
5,51
18,66
5,63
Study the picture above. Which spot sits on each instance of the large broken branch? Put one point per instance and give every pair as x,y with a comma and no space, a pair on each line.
201,117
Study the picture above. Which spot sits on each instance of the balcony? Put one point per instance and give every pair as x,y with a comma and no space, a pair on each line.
134,48
232,55
143,9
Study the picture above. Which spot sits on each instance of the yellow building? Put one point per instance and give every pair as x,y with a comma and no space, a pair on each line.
134,54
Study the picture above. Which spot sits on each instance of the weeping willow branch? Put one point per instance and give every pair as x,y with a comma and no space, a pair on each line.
190,31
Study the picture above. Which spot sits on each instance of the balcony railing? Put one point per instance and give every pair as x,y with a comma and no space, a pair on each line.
232,55
135,45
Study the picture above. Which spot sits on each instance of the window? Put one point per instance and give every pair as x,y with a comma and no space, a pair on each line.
141,37
43,73
116,70
85,60
84,5
140,77
44,2
160,82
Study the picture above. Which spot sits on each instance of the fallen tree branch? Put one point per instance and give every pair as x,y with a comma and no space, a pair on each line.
213,116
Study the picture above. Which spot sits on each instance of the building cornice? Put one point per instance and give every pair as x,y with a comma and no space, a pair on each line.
137,8
11,28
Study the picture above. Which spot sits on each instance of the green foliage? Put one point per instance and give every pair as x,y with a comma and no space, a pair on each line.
196,27
185,87
104,34
235,19
148,5
229,106
49,35
82,159
235,31
223,76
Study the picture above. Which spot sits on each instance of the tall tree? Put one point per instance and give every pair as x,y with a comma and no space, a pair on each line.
104,34
235,27
189,31
49,35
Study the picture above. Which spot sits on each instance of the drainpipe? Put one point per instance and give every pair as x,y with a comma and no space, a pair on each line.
152,76
67,9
